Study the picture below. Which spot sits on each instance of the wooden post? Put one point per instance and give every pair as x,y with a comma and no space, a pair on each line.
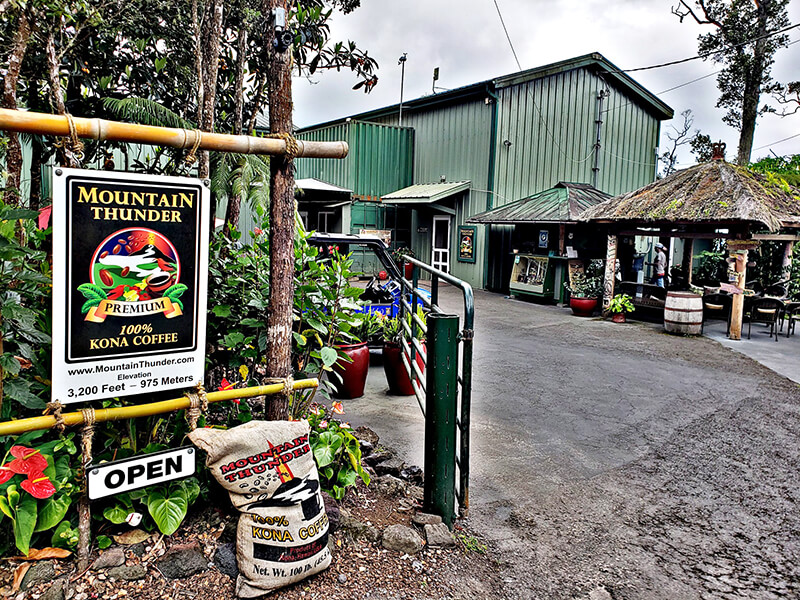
611,263
686,262
281,226
786,265
737,305
562,239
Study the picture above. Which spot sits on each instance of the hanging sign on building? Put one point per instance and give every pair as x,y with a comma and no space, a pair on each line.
466,243
130,272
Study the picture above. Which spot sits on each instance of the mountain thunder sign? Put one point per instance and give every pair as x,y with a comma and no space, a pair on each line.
130,273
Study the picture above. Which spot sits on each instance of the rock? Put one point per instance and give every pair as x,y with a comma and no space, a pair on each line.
138,549
600,593
113,557
131,537
128,572
366,434
342,578
417,566
416,492
182,561
332,510
57,591
377,457
423,519
389,485
366,448
392,466
41,572
402,539
225,559
438,536
356,529
412,474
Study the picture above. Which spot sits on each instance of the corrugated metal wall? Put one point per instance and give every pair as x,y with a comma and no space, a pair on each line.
452,142
550,124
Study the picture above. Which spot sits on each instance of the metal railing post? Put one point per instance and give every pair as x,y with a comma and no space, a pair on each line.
440,420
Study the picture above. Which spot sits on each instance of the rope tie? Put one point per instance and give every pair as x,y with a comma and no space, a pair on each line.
198,404
54,408
71,147
191,157
87,433
292,147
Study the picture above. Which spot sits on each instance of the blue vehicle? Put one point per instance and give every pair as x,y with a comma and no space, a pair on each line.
382,295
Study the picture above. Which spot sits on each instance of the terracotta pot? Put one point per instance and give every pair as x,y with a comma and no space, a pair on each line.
353,374
583,307
396,375
618,318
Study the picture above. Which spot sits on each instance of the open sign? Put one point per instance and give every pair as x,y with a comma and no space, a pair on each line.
137,472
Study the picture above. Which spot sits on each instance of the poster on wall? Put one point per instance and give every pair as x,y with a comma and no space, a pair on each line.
466,243
130,276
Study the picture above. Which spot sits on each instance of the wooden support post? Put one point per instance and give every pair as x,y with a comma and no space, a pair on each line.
737,305
686,262
611,263
786,265
562,239
84,508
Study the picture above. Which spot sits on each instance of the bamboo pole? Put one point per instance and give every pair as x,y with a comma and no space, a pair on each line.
100,129
145,410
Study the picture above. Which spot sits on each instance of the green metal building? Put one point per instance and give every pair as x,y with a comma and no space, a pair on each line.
468,150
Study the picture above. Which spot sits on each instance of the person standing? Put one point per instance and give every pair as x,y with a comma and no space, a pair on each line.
660,265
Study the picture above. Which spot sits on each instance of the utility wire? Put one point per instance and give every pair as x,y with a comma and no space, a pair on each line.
508,37
791,137
706,54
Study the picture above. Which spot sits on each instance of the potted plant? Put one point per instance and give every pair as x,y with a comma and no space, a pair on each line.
396,375
584,291
399,256
352,367
620,304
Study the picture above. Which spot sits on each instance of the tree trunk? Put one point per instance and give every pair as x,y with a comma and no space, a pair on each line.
14,149
235,200
752,89
211,33
281,230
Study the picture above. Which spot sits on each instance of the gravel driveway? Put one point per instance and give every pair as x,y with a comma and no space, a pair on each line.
620,462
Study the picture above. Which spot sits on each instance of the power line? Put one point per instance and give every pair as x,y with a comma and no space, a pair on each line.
791,137
508,37
705,54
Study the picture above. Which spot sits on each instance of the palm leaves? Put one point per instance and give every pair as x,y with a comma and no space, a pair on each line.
145,112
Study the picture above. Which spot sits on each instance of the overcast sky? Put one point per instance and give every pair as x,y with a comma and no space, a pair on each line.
465,39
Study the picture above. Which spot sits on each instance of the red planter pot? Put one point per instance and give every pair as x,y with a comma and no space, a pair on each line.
618,318
396,375
408,270
583,307
353,374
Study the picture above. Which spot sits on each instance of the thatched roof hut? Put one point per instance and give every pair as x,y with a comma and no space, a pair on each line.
713,194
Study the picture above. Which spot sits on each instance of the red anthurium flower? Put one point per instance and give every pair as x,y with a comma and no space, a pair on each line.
27,461
5,474
38,486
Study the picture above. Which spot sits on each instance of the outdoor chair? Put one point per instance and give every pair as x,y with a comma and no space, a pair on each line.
717,306
775,291
766,311
791,314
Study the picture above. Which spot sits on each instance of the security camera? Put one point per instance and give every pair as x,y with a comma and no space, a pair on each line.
283,38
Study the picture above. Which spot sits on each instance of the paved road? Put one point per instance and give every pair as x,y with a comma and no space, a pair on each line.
617,456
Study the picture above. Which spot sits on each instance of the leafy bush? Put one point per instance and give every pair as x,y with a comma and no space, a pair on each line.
621,303
711,268
336,450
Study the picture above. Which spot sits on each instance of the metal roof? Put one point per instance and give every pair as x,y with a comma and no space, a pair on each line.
593,60
563,203
318,185
426,192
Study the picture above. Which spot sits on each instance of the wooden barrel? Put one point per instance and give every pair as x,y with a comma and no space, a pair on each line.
683,313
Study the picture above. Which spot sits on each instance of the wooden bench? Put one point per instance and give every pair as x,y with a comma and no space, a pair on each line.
648,299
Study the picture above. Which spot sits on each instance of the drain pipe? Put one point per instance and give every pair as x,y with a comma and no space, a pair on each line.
602,94
495,100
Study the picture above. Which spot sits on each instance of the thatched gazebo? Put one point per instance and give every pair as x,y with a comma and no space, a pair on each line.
710,200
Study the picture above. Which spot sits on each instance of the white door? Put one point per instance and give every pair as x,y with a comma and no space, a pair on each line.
440,256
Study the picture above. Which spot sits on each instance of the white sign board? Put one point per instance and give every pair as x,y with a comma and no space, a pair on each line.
130,276
109,479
